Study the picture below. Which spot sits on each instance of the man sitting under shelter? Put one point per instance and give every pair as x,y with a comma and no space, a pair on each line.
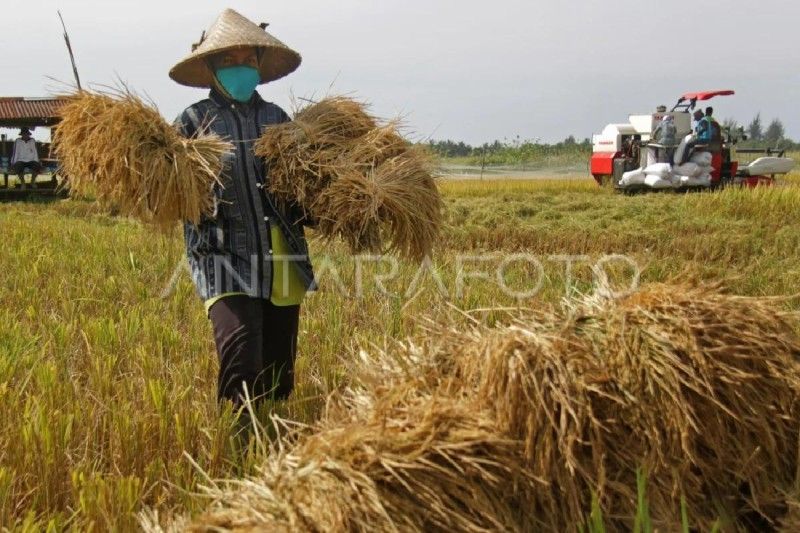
26,157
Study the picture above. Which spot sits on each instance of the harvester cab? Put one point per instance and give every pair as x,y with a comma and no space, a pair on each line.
625,155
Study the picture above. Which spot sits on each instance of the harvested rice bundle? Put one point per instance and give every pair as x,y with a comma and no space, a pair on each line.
395,202
515,427
698,389
361,181
351,193
119,149
380,144
710,384
416,463
305,154
337,117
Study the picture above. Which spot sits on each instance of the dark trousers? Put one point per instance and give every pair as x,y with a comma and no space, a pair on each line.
665,155
19,167
256,344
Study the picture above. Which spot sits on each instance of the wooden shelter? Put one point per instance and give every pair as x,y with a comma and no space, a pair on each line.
19,112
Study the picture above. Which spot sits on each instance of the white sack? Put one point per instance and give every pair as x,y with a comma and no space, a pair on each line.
680,151
634,177
696,181
688,169
651,157
703,159
657,182
662,170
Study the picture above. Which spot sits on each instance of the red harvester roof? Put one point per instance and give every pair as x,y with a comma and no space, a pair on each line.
16,112
707,95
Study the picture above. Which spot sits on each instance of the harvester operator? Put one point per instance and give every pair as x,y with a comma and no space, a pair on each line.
702,128
26,157
702,135
250,261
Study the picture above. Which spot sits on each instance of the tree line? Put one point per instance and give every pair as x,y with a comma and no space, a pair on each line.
514,151
771,136
532,151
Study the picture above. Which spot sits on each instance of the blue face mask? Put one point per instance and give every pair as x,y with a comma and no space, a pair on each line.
239,81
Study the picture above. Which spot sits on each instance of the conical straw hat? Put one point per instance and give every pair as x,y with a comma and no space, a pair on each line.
232,30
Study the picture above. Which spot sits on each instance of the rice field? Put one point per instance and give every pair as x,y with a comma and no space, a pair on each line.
107,368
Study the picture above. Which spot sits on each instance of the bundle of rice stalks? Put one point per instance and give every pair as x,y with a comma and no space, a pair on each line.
712,384
361,181
697,389
420,463
118,149
517,427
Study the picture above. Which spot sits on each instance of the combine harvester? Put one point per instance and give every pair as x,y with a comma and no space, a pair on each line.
624,156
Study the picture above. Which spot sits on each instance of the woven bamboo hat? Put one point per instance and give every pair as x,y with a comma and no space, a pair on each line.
231,30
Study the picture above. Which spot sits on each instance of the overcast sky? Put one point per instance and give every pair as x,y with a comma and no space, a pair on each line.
459,69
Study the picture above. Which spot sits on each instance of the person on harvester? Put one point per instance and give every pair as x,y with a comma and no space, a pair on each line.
710,115
702,135
702,128
665,135
715,143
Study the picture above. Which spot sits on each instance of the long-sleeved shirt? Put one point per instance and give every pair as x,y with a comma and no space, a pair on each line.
252,244
703,130
24,151
665,133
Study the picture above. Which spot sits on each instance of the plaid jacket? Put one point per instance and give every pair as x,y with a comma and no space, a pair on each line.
232,251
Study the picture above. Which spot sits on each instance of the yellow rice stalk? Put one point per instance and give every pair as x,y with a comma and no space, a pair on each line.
118,149
361,181
791,522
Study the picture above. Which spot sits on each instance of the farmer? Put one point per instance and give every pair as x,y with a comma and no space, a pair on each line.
26,157
249,262
664,135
